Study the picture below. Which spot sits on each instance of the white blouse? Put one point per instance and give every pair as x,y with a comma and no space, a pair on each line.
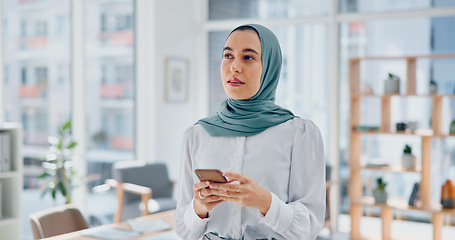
287,160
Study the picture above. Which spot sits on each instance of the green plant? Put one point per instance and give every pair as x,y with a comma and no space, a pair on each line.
393,76
407,149
380,184
57,164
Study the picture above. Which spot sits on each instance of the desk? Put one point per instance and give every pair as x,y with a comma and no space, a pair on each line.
168,216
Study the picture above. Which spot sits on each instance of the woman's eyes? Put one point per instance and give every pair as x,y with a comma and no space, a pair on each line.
246,57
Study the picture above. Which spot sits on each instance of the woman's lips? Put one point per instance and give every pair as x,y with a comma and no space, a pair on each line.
235,82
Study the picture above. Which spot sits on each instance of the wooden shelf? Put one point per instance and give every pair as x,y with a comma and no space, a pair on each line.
396,169
368,95
418,132
402,205
386,127
445,55
11,185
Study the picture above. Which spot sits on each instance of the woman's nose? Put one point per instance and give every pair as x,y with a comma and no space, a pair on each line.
236,66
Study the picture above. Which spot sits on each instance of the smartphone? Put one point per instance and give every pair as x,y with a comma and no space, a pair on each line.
213,175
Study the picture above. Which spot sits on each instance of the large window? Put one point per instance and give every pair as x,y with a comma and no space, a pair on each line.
265,9
36,82
109,64
390,5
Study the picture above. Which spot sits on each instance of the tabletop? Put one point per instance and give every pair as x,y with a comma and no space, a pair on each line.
168,216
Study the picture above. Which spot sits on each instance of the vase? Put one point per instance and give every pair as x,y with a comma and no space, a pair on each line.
380,196
448,195
392,86
408,161
433,88
452,127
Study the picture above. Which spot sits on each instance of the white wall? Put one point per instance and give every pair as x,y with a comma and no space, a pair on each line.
176,35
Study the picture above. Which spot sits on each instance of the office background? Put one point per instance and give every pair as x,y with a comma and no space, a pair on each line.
103,63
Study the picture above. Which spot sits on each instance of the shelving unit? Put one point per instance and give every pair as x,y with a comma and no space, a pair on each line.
11,186
358,201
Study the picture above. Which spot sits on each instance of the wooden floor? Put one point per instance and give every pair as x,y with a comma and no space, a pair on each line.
401,230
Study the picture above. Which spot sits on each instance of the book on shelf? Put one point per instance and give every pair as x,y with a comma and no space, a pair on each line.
373,164
5,152
414,198
371,128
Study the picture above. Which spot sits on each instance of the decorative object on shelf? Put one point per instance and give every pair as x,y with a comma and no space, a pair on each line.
448,195
414,198
408,160
57,164
452,127
412,126
433,87
392,84
401,126
377,165
367,89
380,194
367,128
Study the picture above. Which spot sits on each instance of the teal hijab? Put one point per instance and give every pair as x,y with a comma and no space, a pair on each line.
253,116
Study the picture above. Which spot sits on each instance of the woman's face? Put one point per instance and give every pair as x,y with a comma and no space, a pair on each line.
241,68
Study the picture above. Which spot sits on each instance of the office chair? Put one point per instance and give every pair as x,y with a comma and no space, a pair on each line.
57,220
142,188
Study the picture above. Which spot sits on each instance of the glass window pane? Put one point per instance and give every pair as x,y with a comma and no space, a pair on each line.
390,5
37,83
109,96
240,9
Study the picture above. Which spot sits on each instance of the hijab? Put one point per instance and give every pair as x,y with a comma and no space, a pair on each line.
253,116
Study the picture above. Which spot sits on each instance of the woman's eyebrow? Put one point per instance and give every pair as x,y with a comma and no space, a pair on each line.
250,50
244,50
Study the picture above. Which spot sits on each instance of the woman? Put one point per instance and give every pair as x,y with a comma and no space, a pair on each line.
274,161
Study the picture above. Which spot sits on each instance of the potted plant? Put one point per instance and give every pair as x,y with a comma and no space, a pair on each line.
408,160
433,87
380,194
392,84
57,164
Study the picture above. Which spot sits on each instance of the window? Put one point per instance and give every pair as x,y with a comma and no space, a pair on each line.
110,103
35,96
6,73
5,29
41,75
390,5
40,28
24,76
23,28
265,9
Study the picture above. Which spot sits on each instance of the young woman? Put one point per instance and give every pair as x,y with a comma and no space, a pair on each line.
274,161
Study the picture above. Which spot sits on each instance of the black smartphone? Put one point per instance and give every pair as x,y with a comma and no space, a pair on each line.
213,175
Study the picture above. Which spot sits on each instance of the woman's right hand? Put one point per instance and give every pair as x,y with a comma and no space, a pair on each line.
205,199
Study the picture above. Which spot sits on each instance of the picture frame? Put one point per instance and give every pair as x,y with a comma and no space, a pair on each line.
176,79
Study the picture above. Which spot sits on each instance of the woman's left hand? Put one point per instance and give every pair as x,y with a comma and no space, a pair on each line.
247,193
